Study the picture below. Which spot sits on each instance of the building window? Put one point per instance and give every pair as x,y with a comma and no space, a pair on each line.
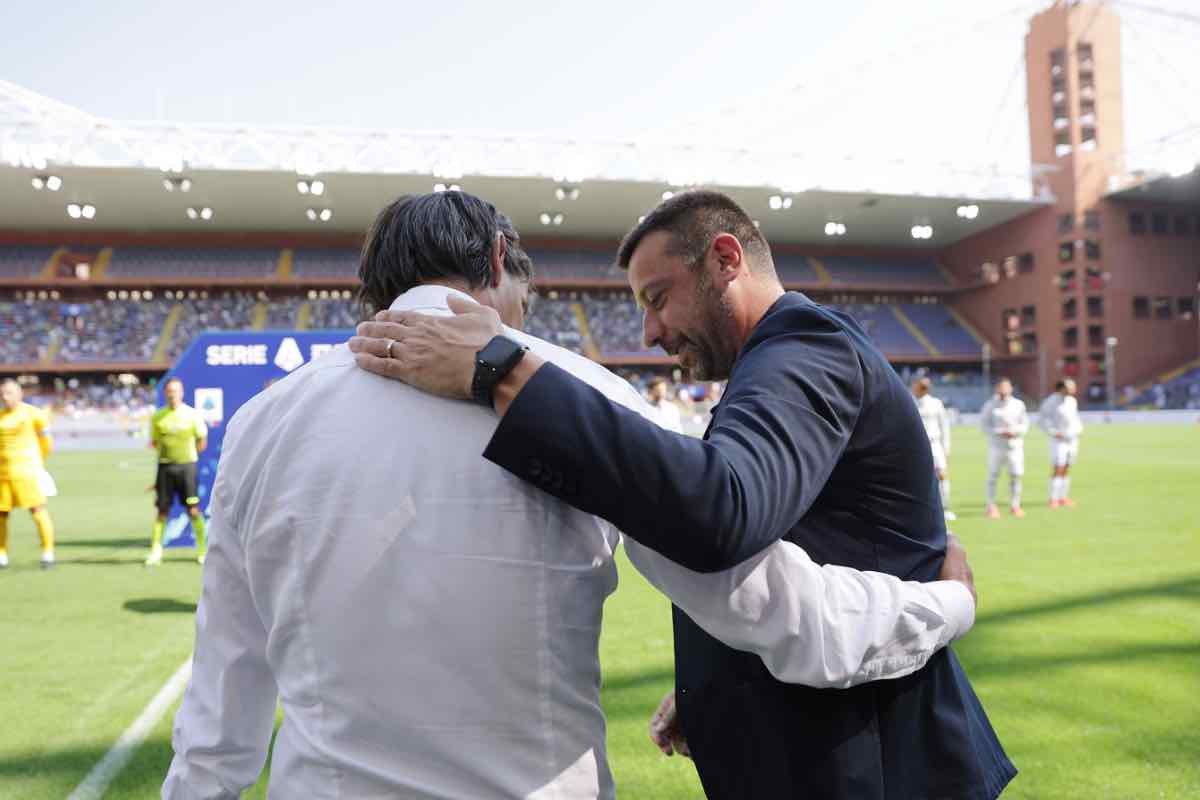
1028,316
989,272
1091,220
1029,342
1095,307
1162,308
1025,263
1010,319
1066,223
1141,308
1183,225
1066,252
1070,309
1062,144
1096,392
1091,249
1095,336
1070,338
1066,280
1096,365
1010,267
1083,52
1058,57
1093,278
1158,223
1071,366
1187,307
1137,223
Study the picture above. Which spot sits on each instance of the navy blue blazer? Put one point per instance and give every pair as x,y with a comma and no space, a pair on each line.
816,441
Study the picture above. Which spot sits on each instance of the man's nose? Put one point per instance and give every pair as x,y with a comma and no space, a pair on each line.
651,330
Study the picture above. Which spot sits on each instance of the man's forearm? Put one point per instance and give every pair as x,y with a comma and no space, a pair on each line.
507,390
820,626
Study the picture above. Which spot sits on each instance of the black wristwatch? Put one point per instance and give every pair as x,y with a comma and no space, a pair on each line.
492,363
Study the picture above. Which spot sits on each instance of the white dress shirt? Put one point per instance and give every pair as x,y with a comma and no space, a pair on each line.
1004,416
1059,416
667,415
935,419
431,622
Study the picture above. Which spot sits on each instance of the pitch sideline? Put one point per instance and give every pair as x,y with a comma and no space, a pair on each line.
93,786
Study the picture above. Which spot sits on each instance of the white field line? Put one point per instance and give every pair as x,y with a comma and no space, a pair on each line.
94,785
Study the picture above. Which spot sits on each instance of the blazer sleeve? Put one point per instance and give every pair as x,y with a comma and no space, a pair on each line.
788,412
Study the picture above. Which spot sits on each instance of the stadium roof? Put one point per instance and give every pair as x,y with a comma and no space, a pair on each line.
1182,188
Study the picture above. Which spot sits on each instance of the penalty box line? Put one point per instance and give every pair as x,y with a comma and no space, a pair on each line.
96,782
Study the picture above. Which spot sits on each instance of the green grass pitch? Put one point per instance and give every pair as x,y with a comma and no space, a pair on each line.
1086,652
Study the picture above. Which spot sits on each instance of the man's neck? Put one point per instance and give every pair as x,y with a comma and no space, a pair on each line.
759,299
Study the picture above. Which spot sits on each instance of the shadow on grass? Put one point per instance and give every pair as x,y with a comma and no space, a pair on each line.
159,605
141,541
638,680
50,773
1180,588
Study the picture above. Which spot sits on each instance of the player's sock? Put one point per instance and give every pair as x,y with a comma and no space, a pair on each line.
156,534
1014,491
1055,488
991,490
1065,491
200,529
45,529
4,534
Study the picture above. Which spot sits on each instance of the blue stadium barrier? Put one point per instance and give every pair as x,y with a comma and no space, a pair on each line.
221,371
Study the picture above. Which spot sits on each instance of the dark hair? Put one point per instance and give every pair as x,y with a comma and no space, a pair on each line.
656,380
173,380
694,218
1002,379
421,238
1059,385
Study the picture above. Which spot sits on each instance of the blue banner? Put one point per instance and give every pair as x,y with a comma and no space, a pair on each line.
221,372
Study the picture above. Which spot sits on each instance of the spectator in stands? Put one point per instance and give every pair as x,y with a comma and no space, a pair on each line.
667,411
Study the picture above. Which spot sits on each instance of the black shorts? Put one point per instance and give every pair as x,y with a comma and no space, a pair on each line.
175,480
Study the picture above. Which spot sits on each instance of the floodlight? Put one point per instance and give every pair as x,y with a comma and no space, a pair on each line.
74,211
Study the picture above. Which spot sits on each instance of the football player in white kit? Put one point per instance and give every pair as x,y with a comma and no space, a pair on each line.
937,428
1005,423
1059,418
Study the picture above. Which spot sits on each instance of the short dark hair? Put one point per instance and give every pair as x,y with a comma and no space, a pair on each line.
1059,385
1002,379
173,380
421,238
694,218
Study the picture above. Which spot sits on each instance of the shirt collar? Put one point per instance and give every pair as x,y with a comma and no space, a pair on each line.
427,296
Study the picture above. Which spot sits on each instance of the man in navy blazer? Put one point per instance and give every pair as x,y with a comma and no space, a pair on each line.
816,440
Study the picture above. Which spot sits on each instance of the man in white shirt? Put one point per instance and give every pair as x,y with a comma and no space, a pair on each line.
1005,423
937,428
431,623
666,412
1058,416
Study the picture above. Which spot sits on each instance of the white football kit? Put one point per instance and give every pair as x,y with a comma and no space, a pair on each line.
937,427
1059,418
997,418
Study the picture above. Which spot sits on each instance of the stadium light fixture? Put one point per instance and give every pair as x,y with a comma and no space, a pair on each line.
302,187
922,231
668,194
565,192
326,214
74,210
206,213
39,182
446,187
311,213
317,187
177,184
89,211
192,213
835,228
967,212
1182,169
779,203
51,182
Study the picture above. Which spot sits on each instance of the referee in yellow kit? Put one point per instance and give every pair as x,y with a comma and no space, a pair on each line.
179,435
24,445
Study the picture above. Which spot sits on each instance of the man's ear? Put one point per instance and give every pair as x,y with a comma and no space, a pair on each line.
499,252
730,257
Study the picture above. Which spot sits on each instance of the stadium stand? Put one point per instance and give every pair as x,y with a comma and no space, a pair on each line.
325,263
566,264
554,319
23,262
941,329
284,312
123,330
1177,389
795,269
616,324
27,328
210,262
227,311
854,270
332,313
885,330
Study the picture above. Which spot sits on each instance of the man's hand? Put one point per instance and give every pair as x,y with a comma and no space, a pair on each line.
436,354
956,568
665,730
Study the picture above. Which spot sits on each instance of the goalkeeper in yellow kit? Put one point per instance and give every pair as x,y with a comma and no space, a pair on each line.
24,446
179,435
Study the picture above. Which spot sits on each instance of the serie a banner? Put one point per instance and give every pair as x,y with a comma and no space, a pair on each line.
222,371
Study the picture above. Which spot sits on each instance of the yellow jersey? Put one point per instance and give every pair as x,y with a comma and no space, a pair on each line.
22,441
175,431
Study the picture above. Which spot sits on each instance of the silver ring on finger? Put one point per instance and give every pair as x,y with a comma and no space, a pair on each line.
390,343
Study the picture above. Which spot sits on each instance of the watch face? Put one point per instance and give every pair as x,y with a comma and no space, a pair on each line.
498,350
